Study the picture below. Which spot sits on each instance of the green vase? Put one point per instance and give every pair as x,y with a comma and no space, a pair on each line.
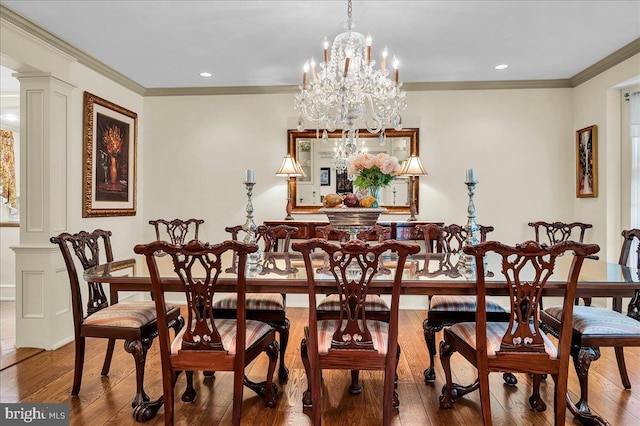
375,192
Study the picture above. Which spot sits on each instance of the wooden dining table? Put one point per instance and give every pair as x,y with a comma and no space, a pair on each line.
424,274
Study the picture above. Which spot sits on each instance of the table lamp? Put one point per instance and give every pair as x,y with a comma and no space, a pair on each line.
412,167
289,169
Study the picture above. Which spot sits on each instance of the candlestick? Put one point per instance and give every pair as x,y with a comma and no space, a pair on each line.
250,227
466,262
249,176
383,63
471,175
325,44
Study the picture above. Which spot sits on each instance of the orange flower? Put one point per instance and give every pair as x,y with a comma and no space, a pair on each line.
113,140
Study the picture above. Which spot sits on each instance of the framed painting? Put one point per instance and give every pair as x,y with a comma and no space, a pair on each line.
343,184
325,176
587,162
109,169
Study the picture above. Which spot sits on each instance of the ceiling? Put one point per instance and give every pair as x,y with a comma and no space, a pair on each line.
166,44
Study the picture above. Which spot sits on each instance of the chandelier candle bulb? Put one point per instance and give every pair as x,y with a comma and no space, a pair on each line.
314,74
471,175
383,63
305,75
369,42
249,177
325,44
396,65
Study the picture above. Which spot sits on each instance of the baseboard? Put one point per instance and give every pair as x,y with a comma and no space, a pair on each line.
8,292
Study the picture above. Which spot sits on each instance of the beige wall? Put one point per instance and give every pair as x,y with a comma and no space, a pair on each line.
193,150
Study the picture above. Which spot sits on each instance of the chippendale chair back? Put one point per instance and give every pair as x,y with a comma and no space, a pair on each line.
134,322
268,307
177,230
558,232
449,238
517,345
631,239
209,343
351,340
444,309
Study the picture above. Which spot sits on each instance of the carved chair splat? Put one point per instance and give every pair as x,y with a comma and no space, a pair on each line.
352,341
208,342
134,322
517,345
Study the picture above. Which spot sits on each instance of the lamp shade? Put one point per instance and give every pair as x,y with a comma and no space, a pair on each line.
290,168
413,167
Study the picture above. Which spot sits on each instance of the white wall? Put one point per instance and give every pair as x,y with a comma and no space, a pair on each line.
597,101
519,141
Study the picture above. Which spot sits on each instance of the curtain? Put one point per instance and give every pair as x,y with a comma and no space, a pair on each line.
634,123
7,169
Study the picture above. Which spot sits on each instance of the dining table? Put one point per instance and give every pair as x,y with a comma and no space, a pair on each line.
423,274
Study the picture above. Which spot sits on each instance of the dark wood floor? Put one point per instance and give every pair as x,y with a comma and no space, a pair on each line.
47,377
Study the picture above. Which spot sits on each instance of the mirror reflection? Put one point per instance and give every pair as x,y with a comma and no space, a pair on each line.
316,155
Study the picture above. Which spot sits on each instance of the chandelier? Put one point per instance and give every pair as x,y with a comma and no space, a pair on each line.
345,91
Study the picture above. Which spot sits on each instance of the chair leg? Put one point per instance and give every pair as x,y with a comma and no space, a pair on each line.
238,388
355,387
430,331
189,394
79,364
582,359
485,398
306,396
622,367
107,358
536,403
271,390
446,397
138,348
283,331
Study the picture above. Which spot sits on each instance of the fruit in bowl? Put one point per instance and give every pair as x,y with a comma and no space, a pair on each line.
369,201
332,200
351,200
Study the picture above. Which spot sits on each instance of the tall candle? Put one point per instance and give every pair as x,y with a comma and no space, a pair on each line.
249,178
325,45
471,175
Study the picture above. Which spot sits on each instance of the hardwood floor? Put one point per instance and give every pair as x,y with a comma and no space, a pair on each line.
9,355
47,377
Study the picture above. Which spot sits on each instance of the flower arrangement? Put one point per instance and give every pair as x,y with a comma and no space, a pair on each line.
113,140
373,171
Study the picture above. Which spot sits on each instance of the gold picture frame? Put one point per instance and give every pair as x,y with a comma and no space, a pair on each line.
587,162
110,154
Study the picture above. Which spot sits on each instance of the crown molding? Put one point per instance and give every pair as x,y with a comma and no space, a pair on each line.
606,63
42,35
83,58
229,90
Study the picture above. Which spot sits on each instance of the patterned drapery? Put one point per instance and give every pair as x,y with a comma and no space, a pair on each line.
8,168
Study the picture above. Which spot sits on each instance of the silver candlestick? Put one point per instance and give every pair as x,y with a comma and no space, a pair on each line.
466,261
250,228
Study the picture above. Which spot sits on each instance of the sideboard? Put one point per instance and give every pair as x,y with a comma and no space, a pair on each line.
400,230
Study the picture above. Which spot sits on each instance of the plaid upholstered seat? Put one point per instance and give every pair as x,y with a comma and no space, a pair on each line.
590,321
373,303
227,328
460,304
495,332
379,334
130,314
255,301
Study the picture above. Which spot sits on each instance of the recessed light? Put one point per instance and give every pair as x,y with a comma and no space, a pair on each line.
501,67
206,74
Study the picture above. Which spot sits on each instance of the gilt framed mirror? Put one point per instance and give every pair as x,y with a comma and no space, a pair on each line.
315,156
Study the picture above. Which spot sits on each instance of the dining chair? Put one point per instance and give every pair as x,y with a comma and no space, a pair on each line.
329,306
517,345
268,307
557,232
178,230
208,342
134,322
352,341
595,327
446,310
